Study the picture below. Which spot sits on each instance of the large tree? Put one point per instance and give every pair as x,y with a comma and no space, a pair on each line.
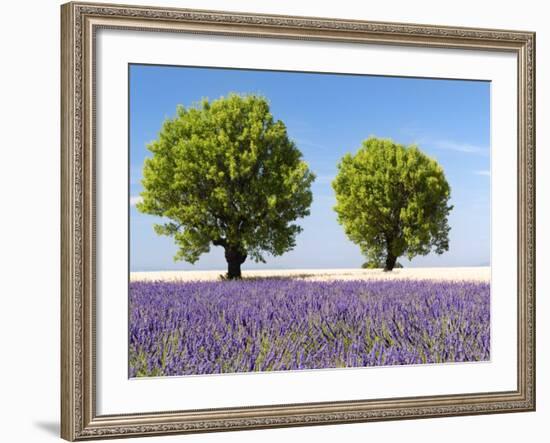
225,173
392,201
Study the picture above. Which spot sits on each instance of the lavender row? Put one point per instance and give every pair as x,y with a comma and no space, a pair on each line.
283,324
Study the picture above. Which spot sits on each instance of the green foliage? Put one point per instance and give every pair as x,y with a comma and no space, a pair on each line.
225,173
392,201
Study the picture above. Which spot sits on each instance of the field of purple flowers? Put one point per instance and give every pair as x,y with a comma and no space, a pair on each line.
285,324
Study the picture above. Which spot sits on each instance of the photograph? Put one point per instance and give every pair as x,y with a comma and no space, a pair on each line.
278,218
283,221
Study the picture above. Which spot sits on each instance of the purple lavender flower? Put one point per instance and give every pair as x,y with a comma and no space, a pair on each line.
181,328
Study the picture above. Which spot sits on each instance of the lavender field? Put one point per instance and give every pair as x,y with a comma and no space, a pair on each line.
211,327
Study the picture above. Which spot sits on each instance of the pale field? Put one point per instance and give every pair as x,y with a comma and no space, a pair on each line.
442,274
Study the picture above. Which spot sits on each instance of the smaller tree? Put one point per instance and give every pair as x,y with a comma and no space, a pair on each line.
392,201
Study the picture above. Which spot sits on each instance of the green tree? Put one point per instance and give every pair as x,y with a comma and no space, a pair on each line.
225,173
392,201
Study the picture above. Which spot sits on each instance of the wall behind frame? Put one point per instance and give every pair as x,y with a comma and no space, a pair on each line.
29,221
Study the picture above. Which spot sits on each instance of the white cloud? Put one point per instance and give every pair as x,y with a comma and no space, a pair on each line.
135,199
451,145
483,172
309,144
460,147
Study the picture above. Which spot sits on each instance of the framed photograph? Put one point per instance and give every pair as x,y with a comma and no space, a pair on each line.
282,221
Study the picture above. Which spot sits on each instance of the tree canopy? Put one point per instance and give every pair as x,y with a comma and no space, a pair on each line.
225,173
392,201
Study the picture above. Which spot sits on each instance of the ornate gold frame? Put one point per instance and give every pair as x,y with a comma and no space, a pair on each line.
79,21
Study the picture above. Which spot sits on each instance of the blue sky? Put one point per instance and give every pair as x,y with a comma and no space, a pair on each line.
328,115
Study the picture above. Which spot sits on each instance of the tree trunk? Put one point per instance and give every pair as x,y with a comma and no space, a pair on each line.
390,262
235,258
